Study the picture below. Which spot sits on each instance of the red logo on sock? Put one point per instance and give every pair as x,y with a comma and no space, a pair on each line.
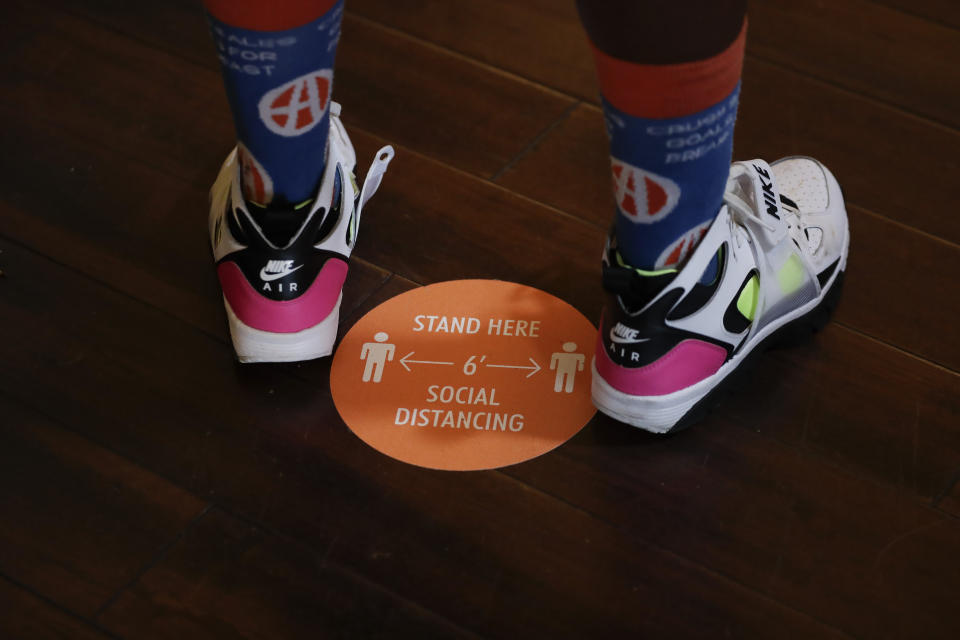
643,196
257,185
682,246
297,106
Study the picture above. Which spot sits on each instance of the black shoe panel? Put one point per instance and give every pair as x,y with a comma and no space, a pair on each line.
701,293
287,272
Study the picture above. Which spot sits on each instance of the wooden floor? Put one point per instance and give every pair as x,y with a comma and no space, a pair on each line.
152,488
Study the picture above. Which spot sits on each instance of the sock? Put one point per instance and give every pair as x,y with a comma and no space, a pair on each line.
277,62
670,109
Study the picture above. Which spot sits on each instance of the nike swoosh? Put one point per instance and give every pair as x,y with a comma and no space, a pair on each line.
267,277
620,340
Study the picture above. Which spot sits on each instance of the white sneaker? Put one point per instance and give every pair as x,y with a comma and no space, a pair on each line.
282,271
670,339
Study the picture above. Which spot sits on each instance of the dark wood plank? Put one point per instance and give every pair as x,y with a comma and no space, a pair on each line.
389,84
940,11
911,307
569,171
130,103
78,522
473,229
949,501
540,40
448,108
772,516
230,579
864,47
867,408
270,446
24,615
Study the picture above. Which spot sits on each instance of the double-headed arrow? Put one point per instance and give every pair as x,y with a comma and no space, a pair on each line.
532,369
405,361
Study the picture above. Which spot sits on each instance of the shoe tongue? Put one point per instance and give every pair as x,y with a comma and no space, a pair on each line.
279,223
759,189
634,287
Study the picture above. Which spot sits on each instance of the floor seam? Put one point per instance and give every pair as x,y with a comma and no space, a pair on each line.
59,607
535,142
158,557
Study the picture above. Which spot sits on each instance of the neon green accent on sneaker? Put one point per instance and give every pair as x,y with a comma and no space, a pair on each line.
791,275
642,272
747,302
297,207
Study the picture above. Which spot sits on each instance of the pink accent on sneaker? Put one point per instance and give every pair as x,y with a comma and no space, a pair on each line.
286,316
686,364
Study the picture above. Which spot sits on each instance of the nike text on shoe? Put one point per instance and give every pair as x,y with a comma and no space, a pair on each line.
770,265
282,271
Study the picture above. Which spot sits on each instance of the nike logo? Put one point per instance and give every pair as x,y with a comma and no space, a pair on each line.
275,269
767,187
621,334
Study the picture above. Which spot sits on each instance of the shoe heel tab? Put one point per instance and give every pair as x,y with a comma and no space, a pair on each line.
375,174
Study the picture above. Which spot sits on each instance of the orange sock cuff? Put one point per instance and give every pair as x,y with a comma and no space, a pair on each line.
670,90
258,15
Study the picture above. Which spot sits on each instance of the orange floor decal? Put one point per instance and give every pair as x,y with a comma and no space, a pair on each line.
468,374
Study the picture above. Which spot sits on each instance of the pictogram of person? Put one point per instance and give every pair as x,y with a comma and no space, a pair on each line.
376,355
567,365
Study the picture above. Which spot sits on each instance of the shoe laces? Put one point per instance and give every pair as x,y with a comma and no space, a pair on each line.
741,214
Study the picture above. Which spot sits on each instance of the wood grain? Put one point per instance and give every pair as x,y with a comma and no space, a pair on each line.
940,11
831,40
540,40
768,515
24,615
229,579
79,522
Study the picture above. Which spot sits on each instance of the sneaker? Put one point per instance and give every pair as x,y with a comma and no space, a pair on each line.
282,271
771,264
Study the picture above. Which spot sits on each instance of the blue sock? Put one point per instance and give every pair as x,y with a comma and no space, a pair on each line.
278,84
671,131
669,176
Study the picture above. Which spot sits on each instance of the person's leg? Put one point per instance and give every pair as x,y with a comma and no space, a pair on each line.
669,75
277,61
285,207
708,263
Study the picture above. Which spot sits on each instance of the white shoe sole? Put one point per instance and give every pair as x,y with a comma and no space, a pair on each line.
255,345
